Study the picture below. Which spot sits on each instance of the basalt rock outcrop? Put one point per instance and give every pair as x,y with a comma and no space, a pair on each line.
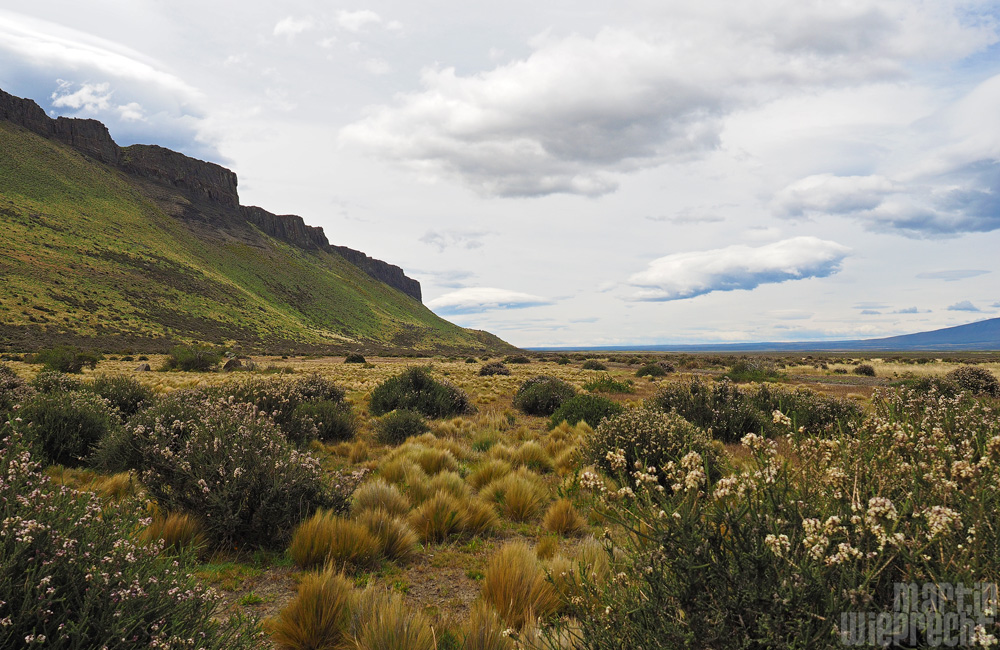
201,182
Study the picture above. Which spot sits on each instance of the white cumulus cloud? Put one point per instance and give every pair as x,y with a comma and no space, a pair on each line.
358,21
292,26
686,275
473,300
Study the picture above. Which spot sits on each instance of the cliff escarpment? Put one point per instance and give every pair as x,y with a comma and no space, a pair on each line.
200,182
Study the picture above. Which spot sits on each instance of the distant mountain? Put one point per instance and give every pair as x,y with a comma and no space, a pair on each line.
117,247
983,335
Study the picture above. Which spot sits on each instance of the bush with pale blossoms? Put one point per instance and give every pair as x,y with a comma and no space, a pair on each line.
13,390
72,576
227,463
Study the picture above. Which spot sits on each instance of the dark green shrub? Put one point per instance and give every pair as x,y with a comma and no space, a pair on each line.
808,412
593,364
416,390
940,385
865,370
124,393
395,427
591,409
194,358
470,360
73,576
542,395
334,421
721,407
978,381
13,390
645,437
753,369
495,368
354,357
66,427
608,384
651,370
54,381
65,359
222,462
517,358
562,361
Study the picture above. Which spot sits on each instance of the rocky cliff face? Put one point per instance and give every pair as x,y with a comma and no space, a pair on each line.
198,180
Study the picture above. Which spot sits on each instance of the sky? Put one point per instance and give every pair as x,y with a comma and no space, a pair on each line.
582,173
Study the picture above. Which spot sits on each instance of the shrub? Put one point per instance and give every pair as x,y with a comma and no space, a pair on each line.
542,395
438,517
865,370
381,621
326,538
68,360
395,427
563,361
495,368
13,390
379,495
334,421
753,369
722,407
940,385
54,381
563,519
109,590
395,538
124,393
195,358
628,445
517,358
592,409
223,462
66,427
416,390
608,384
806,411
978,381
354,357
318,616
593,364
651,370
516,586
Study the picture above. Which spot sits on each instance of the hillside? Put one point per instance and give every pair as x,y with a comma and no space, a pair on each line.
983,335
141,247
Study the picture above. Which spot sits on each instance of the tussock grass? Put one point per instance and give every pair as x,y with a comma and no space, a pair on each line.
439,517
396,539
433,460
478,517
487,472
519,497
326,538
563,519
533,456
381,621
317,618
450,482
516,586
486,629
177,531
380,495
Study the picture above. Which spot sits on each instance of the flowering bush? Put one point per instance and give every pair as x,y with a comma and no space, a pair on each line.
72,576
124,393
416,390
542,395
54,381
13,390
225,462
771,555
65,428
978,381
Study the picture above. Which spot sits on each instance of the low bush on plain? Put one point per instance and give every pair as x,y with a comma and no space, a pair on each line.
395,427
542,395
864,370
608,384
593,364
194,358
124,393
55,381
495,368
976,380
416,390
517,358
66,427
72,576
591,409
651,370
334,421
753,369
722,406
66,359
354,357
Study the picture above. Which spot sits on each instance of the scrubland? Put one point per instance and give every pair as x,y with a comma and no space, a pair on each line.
670,501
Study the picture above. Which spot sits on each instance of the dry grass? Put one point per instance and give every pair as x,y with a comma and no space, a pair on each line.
533,456
486,630
379,495
563,519
326,538
439,517
478,517
518,496
487,472
396,539
317,618
380,621
433,460
177,531
516,586
450,482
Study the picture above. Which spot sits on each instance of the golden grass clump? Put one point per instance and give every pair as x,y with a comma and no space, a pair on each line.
408,476
478,517
378,494
501,451
592,555
450,482
317,618
533,456
381,621
326,538
487,472
438,517
518,495
563,519
486,629
567,460
177,530
396,539
433,460
515,584
547,547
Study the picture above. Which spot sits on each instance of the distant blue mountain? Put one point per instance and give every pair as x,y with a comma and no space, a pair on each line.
984,335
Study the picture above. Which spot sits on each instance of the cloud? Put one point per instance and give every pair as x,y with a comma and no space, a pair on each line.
473,300
579,111
452,279
377,66
871,305
953,275
467,239
965,305
687,275
89,97
292,26
870,312
358,21
829,194
907,310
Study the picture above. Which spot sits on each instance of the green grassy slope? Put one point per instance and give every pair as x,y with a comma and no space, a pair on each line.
91,256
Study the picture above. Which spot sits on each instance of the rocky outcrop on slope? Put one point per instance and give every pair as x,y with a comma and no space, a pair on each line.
195,179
